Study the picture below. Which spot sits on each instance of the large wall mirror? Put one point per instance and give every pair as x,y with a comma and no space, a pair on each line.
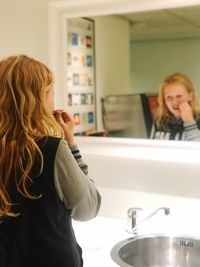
137,46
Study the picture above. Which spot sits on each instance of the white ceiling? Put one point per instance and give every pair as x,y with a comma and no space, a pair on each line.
165,24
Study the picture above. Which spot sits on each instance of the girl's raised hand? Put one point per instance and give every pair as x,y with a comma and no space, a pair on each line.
66,122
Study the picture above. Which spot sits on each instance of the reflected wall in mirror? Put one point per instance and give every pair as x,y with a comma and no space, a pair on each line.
136,51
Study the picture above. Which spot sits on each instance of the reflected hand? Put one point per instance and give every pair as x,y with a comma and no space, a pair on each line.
67,124
186,112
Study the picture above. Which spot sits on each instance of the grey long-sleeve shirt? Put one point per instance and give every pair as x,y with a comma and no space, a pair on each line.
74,187
191,133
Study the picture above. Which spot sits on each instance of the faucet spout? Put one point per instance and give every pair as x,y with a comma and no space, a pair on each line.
165,209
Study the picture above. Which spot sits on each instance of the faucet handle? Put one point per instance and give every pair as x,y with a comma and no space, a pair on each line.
132,211
132,218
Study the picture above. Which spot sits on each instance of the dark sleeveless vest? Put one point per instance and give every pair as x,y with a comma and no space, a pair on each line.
42,235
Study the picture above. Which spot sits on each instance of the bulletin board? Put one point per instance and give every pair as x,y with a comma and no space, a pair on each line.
80,61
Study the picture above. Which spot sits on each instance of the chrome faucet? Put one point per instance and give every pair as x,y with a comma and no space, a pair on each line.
132,218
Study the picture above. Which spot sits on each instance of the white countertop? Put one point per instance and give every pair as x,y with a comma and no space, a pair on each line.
97,237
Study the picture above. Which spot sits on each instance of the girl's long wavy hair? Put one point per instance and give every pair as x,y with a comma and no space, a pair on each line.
24,84
162,113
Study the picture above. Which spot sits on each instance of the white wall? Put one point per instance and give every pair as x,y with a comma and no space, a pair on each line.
24,28
112,55
112,52
152,61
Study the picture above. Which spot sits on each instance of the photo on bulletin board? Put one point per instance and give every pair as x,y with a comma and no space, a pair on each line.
83,99
77,118
89,98
90,117
75,78
89,60
76,60
88,41
90,79
82,59
74,38
81,40
76,99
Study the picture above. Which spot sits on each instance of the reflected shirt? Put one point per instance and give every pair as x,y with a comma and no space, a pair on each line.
177,130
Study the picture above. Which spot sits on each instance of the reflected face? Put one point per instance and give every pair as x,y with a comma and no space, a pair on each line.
174,95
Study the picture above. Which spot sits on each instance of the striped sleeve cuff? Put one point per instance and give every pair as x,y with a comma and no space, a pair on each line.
76,153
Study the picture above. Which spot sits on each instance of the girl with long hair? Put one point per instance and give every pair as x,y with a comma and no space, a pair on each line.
43,179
